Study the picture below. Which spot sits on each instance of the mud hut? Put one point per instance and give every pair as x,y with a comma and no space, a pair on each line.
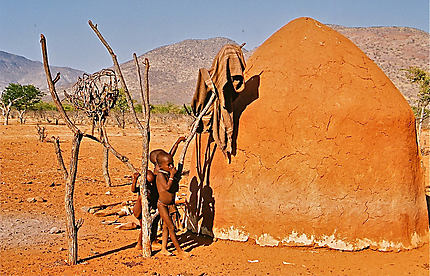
324,153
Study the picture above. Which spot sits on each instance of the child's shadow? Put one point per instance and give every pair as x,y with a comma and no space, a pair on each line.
189,240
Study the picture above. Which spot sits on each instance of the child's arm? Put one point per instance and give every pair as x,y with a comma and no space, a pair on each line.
175,145
167,184
134,181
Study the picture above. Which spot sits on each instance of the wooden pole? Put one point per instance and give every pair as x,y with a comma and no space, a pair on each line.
146,251
106,166
193,131
146,220
72,226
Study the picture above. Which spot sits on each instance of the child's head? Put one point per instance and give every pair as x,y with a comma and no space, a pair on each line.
164,160
153,156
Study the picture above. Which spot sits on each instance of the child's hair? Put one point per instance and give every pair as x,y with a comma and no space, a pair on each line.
153,155
161,156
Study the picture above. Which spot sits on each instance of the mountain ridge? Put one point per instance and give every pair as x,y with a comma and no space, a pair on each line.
174,67
19,69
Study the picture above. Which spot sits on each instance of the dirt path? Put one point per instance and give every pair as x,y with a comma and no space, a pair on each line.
28,169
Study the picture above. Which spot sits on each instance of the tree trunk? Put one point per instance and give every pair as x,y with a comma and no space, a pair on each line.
123,119
146,252
6,117
93,124
21,116
106,166
421,122
72,227
146,218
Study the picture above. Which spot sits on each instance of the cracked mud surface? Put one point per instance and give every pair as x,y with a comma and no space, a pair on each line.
326,148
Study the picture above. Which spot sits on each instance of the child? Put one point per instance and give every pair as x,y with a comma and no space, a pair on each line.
167,187
154,153
152,204
152,192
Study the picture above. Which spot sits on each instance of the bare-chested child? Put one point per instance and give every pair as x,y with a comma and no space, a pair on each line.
167,187
152,204
152,192
154,153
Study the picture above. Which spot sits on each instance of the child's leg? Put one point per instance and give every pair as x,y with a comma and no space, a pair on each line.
139,241
137,208
137,211
164,238
154,228
169,228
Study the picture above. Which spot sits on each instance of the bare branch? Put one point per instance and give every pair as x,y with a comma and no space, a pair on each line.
51,86
193,131
188,111
105,143
79,223
119,73
57,78
144,130
56,142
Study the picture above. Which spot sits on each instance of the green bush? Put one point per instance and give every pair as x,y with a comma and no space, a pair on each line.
417,112
138,107
46,106
167,108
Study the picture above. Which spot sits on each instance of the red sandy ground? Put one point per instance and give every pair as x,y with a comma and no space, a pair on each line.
28,167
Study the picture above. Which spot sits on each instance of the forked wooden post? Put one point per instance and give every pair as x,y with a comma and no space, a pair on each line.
146,219
72,226
144,130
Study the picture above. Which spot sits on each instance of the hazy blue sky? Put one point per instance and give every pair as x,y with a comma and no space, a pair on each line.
139,26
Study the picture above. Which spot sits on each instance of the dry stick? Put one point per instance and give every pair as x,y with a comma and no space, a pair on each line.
60,157
51,86
146,223
146,250
72,227
193,131
106,166
105,142
119,73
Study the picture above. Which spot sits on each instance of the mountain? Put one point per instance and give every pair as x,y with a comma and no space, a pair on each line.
393,49
18,69
173,69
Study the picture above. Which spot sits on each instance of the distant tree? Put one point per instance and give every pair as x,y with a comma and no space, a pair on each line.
120,108
21,97
422,78
6,105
